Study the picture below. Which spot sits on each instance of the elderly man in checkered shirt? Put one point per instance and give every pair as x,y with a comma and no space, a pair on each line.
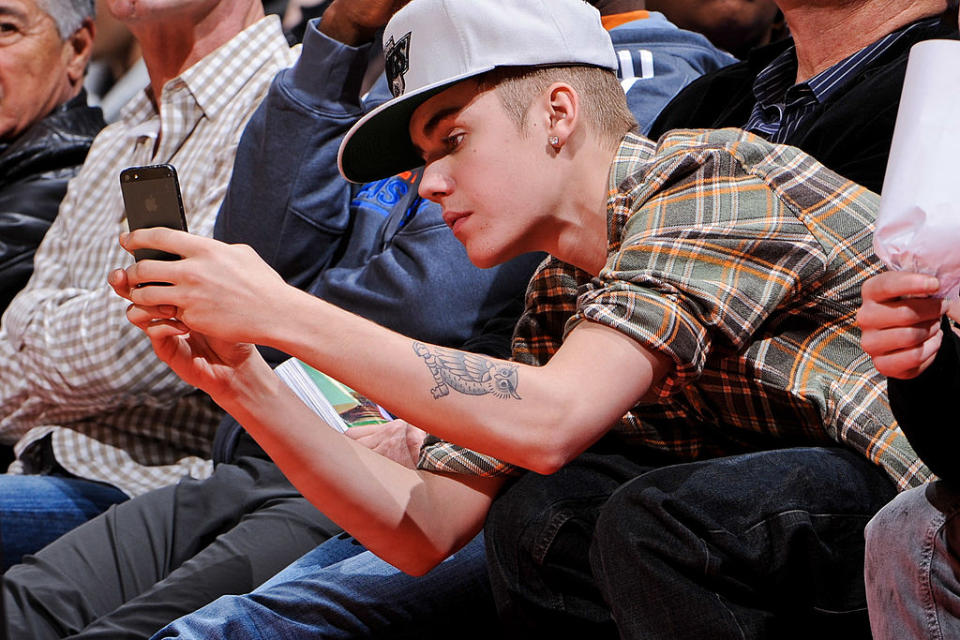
94,415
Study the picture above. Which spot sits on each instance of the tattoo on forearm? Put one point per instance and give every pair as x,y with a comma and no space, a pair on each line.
467,373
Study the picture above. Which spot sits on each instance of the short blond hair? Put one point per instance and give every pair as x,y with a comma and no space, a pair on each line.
603,103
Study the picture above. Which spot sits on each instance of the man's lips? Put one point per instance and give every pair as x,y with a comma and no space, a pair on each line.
454,218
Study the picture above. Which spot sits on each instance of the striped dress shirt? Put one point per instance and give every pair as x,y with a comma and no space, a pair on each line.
740,261
782,104
76,378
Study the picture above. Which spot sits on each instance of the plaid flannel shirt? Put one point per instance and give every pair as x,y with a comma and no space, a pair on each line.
741,261
74,373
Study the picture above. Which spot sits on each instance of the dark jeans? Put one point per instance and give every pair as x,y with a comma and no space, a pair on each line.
147,561
762,545
35,510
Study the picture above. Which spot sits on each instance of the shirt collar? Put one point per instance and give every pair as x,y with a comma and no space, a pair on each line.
634,150
233,64
778,77
211,87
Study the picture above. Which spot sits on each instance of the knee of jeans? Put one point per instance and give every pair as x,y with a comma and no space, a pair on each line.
525,506
901,519
529,523
651,517
633,512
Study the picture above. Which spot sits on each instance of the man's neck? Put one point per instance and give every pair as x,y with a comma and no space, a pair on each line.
826,33
579,236
171,46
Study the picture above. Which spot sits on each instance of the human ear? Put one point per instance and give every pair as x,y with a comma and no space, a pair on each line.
77,49
563,113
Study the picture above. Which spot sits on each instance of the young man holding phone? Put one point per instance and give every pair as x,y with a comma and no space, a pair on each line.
680,328
289,203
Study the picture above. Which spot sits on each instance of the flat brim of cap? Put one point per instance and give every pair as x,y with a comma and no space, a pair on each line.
378,145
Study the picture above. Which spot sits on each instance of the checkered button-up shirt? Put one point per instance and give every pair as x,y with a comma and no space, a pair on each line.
741,261
72,368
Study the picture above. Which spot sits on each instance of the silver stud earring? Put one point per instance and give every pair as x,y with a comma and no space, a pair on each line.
554,141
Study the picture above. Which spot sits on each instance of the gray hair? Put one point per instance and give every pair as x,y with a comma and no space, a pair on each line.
68,14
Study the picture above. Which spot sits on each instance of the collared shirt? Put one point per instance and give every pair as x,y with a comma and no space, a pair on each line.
781,105
73,370
741,262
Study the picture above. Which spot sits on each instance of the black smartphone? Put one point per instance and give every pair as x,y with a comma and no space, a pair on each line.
151,197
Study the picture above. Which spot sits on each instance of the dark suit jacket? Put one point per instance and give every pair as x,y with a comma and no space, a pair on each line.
34,171
850,133
926,408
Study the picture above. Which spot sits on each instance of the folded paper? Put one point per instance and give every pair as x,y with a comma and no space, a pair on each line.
918,226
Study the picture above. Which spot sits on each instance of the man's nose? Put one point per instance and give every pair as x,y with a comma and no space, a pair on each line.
436,184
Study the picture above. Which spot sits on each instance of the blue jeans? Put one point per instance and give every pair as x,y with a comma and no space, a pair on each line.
912,568
760,545
37,509
339,590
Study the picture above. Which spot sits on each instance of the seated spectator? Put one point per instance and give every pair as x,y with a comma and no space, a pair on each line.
46,126
288,202
694,270
833,89
95,416
911,562
737,27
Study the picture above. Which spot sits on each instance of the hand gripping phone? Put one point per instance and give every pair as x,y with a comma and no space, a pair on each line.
151,197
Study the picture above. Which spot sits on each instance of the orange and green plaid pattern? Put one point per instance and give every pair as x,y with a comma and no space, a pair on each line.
742,262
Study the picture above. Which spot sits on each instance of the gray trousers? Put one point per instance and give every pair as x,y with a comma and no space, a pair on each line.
913,566
145,562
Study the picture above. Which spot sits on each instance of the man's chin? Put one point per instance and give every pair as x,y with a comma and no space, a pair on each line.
485,259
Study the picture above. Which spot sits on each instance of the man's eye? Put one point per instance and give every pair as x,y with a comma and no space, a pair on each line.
453,141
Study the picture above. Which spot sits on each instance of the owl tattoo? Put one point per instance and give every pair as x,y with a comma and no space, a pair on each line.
468,373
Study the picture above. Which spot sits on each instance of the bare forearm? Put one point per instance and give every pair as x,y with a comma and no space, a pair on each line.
535,417
413,519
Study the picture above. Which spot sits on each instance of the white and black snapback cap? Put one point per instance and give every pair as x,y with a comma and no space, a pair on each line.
430,45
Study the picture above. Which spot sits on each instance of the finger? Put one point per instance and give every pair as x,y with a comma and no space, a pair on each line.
143,313
118,280
370,443
891,285
353,435
898,338
148,272
361,431
164,329
904,312
149,295
169,240
144,317
953,309
909,363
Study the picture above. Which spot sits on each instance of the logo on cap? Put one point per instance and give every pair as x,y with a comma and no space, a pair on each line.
397,63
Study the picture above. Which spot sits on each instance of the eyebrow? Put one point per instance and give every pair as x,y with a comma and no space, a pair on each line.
433,123
7,10
10,9
436,118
